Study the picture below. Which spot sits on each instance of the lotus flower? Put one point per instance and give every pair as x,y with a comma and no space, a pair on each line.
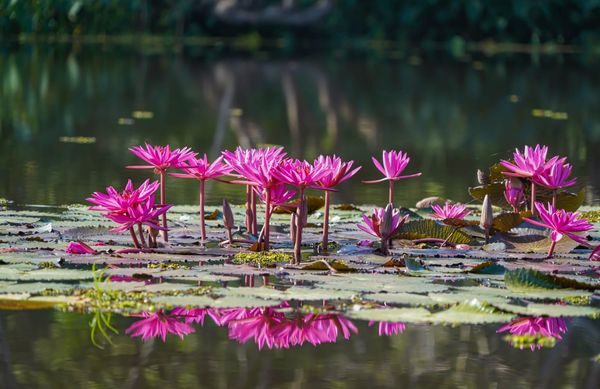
383,224
561,223
79,247
514,193
158,324
449,211
530,164
392,165
536,327
389,328
201,170
257,167
337,171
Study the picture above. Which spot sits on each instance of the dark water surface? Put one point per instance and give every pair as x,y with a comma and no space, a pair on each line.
59,354
452,115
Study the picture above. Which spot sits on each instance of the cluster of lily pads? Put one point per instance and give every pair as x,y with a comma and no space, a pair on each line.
269,175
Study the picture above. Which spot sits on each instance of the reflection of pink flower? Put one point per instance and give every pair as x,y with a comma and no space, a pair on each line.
158,324
561,223
536,326
256,325
389,328
450,211
195,315
79,248
161,158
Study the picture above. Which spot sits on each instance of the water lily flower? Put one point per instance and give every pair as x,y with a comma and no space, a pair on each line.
562,223
257,167
158,324
595,254
337,171
195,315
514,193
302,175
389,328
79,247
557,176
392,165
201,170
551,327
115,201
383,223
530,164
161,158
449,211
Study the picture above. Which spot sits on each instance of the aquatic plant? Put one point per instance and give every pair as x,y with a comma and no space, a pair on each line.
530,164
161,158
158,324
131,207
337,171
302,175
257,167
556,176
79,247
392,165
201,170
449,211
383,223
531,330
562,223
514,192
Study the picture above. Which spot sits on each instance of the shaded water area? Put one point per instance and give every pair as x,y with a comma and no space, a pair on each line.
59,352
452,115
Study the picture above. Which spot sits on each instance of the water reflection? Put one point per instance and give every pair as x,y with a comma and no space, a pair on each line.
534,332
450,117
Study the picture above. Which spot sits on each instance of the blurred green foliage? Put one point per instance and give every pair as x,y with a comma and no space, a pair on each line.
453,21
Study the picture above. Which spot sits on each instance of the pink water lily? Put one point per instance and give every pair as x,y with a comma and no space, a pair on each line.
79,247
201,170
195,315
514,193
530,164
161,158
449,211
535,327
280,195
562,223
389,328
392,165
158,325
115,201
337,171
555,177
383,223
302,175
257,167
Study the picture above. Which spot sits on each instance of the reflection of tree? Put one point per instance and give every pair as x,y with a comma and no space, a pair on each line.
449,117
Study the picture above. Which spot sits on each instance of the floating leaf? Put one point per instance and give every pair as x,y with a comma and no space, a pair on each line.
550,310
506,221
421,229
489,267
472,312
495,191
400,299
529,279
392,315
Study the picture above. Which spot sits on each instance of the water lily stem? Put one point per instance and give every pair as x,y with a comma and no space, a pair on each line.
551,250
163,200
299,226
134,238
249,209
533,199
385,250
254,225
266,227
202,221
391,192
141,233
554,195
326,223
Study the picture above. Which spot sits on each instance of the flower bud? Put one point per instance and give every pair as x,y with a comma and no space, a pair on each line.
385,228
228,220
482,177
487,215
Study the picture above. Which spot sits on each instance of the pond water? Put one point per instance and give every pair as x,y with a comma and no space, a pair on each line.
68,115
451,115
60,352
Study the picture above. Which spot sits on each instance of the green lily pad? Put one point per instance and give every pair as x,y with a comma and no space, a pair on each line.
392,315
